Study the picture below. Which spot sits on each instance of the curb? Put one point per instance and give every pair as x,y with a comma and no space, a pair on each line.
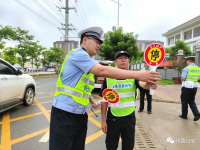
39,77
161,100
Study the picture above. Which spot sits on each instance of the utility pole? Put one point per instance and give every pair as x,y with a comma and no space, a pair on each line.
118,12
67,29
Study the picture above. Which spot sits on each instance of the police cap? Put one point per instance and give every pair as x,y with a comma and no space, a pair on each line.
117,54
189,58
95,32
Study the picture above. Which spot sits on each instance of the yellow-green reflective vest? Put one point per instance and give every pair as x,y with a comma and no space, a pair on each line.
193,74
126,91
144,69
83,89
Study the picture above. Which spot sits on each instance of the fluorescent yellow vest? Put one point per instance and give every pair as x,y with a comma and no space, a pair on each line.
193,74
143,69
83,89
125,88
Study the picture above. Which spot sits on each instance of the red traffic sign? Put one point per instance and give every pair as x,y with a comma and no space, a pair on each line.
154,54
111,96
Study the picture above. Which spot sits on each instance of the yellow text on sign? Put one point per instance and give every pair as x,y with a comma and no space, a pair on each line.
111,96
155,54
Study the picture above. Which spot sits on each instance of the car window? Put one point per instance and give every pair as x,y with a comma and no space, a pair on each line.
5,69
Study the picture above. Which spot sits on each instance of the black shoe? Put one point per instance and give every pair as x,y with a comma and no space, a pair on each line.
196,117
149,112
182,117
140,110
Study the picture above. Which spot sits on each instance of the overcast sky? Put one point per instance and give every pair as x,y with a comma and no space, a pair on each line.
147,18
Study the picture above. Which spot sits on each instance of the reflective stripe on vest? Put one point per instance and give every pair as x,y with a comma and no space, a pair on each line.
72,92
193,74
83,89
126,104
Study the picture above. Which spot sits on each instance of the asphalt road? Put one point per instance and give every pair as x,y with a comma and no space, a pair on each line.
26,128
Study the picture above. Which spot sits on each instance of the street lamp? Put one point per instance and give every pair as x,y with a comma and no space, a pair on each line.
118,12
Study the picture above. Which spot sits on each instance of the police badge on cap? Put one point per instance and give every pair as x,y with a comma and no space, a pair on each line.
95,32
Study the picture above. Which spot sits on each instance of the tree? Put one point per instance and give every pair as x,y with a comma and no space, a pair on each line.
45,55
180,45
56,54
10,55
116,40
17,34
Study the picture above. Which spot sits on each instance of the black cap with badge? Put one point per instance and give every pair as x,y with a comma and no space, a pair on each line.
117,54
95,32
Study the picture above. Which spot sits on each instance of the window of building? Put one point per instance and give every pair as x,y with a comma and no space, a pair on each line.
196,32
188,35
177,38
171,41
194,47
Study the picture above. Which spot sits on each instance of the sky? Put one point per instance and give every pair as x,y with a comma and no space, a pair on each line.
147,18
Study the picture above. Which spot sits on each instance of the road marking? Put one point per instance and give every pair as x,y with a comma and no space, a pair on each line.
5,135
29,136
97,111
98,124
41,107
46,102
27,116
43,97
38,87
45,138
93,137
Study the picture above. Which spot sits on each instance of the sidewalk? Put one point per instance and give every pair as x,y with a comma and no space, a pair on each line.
171,94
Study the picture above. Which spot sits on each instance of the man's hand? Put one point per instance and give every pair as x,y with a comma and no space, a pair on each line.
152,86
104,126
93,103
149,76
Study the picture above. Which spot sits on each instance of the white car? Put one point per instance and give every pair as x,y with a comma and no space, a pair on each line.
15,88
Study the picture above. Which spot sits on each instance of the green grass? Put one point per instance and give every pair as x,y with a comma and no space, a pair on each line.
165,82
40,75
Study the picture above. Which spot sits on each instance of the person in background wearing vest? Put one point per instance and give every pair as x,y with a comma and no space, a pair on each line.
68,124
143,92
121,116
189,78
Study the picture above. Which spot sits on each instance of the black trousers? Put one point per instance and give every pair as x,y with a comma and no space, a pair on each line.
67,130
188,97
149,99
120,126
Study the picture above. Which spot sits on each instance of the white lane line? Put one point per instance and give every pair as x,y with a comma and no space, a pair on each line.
38,87
45,138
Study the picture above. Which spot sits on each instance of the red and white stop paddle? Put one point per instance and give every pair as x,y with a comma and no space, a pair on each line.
110,96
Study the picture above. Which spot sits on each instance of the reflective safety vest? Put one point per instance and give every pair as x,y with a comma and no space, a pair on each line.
193,74
83,89
144,69
126,90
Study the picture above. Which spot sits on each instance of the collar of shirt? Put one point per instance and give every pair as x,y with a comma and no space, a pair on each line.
193,64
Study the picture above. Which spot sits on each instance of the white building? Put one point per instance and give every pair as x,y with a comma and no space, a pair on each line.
189,32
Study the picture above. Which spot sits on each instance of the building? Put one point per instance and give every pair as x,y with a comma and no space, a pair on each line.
143,44
189,32
71,45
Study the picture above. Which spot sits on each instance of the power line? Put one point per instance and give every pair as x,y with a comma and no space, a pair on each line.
84,14
80,15
37,3
57,9
82,25
53,9
36,13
